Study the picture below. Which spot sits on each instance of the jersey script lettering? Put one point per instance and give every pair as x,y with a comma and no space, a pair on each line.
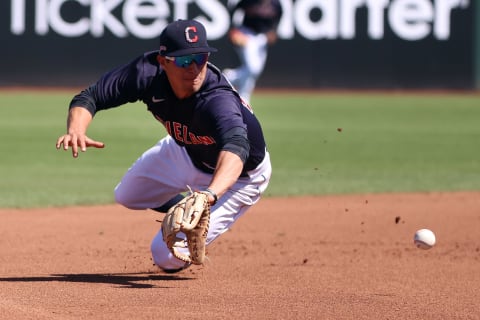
181,133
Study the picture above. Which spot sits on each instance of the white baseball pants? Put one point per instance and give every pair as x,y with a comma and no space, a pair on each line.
165,170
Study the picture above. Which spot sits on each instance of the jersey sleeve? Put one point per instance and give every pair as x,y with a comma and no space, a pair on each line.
117,87
230,125
236,141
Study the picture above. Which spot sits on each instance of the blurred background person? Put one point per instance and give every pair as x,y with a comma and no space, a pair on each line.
254,29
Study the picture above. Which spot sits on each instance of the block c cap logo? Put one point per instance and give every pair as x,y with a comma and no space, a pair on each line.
190,34
184,37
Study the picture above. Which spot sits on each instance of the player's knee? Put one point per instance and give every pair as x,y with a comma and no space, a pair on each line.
124,199
162,257
120,199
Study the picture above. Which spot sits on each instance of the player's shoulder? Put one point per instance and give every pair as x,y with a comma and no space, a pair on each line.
149,61
220,98
216,84
151,57
145,68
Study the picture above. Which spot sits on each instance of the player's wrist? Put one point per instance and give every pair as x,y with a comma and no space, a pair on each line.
213,195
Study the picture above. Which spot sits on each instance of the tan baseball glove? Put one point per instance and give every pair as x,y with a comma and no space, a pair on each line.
191,216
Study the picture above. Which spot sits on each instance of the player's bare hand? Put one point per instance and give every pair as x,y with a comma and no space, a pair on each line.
76,142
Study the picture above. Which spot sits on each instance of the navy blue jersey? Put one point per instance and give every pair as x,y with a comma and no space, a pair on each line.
260,16
209,121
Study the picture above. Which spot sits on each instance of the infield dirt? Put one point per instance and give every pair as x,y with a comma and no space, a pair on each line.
332,257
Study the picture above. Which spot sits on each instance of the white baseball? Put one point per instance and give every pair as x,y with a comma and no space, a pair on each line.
424,239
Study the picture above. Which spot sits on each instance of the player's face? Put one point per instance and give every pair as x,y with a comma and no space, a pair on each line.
185,74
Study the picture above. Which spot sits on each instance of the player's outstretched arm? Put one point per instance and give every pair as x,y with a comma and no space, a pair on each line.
78,121
229,168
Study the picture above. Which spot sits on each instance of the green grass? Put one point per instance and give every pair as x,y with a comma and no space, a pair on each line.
388,143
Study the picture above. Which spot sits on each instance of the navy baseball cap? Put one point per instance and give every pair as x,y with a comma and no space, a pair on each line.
184,37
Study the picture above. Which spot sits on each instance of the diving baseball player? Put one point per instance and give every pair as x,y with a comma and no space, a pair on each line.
214,154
